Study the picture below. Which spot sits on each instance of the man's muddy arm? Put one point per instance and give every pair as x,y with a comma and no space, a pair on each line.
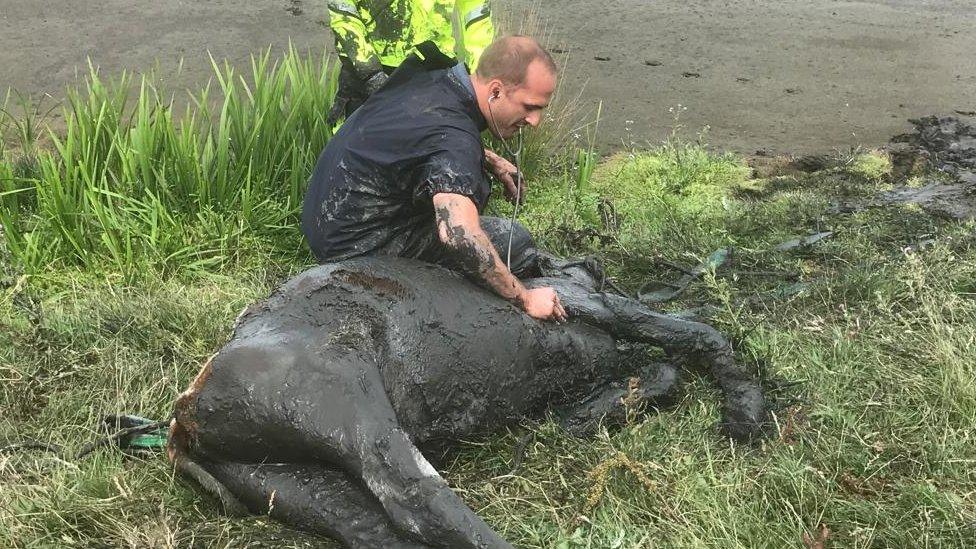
459,228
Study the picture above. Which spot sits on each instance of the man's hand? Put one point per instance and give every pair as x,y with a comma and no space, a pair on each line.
506,172
543,304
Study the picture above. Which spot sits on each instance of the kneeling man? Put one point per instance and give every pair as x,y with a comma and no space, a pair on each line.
406,174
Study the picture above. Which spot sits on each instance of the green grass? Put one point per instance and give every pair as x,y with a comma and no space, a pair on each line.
129,187
881,446
872,165
106,307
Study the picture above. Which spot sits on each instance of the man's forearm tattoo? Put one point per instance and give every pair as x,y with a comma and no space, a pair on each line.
472,256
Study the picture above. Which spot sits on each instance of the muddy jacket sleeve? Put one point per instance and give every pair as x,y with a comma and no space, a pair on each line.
457,170
351,38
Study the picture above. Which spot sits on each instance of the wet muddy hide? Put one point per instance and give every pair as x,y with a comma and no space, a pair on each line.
322,407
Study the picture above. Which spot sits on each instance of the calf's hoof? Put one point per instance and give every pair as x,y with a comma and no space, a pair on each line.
745,417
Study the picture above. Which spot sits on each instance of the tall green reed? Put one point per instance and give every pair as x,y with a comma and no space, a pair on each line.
130,184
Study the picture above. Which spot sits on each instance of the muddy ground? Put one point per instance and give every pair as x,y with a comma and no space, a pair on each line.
796,75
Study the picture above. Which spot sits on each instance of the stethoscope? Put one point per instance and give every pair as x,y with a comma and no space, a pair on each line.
516,160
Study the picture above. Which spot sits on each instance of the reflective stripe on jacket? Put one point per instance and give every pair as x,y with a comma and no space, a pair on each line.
377,33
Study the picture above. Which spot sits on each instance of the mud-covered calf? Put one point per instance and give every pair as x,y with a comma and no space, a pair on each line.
321,408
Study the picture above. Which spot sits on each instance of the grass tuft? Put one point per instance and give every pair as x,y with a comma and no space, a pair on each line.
131,186
872,165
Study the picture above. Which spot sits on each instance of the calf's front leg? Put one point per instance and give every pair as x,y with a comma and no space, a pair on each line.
744,413
655,385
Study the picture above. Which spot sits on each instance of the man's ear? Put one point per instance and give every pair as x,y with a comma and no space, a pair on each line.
495,89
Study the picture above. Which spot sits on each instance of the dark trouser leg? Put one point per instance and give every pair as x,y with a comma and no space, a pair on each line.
315,498
351,92
423,243
517,244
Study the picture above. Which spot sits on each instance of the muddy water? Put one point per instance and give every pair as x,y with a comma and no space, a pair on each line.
800,75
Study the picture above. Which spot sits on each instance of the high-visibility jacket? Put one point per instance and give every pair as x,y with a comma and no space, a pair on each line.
377,33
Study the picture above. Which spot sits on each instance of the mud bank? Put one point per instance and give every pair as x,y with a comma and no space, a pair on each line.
800,76
948,146
795,75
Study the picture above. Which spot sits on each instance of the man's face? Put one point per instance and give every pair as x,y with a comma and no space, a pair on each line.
518,106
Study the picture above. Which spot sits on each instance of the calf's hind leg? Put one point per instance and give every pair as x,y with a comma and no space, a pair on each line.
316,498
415,496
295,400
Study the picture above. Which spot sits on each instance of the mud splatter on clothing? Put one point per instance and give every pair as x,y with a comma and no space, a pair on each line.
371,191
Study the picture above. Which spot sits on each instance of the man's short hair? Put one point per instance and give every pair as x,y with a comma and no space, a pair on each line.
508,59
